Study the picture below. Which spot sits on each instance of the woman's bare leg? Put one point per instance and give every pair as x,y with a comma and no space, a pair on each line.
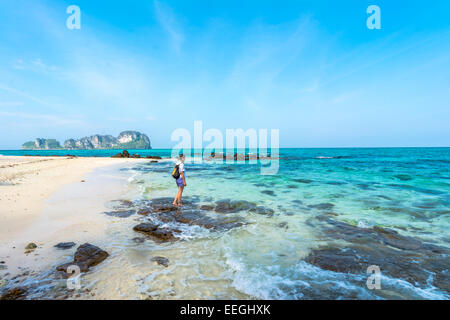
178,197
180,194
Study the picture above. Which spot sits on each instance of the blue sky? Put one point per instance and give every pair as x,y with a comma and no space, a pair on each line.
311,69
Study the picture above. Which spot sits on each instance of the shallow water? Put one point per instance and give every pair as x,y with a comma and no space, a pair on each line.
322,199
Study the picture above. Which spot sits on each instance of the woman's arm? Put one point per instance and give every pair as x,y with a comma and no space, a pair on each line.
182,177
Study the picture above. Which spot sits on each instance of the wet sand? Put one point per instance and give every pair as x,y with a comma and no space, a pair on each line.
46,200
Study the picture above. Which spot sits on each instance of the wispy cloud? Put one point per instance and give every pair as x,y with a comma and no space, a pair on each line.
169,23
30,97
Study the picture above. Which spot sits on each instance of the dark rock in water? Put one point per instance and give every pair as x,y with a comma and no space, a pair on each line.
268,192
198,218
303,180
138,239
161,261
120,214
261,185
393,239
207,207
125,154
145,227
163,234
65,245
297,201
262,210
144,211
166,208
364,186
154,161
223,206
153,231
228,206
292,186
335,183
337,260
283,225
398,256
86,256
122,204
403,177
384,197
322,206
14,294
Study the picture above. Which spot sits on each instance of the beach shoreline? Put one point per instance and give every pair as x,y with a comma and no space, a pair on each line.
51,199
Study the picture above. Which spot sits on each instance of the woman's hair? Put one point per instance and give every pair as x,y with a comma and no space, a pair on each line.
181,156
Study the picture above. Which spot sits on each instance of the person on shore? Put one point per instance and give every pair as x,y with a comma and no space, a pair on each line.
178,174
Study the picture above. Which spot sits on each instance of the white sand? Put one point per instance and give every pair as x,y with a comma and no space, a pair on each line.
47,200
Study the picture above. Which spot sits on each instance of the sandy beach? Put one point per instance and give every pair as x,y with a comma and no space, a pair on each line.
45,200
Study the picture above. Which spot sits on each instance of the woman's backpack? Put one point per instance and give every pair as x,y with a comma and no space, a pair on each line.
176,172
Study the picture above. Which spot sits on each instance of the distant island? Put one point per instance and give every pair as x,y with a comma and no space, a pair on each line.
125,140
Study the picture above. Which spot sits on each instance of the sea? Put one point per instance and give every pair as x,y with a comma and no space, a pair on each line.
338,223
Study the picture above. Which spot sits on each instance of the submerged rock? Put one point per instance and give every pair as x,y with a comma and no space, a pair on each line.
207,207
138,239
86,256
398,256
161,261
156,233
262,210
268,192
322,206
228,206
145,227
14,294
198,218
65,245
120,214
303,180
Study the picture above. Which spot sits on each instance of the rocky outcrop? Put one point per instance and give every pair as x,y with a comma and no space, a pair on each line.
399,256
156,233
93,142
14,294
86,256
126,139
41,144
133,140
192,214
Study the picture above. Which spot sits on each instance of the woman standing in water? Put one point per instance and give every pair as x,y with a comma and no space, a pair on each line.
181,181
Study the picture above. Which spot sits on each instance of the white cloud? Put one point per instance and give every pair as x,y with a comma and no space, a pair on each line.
168,21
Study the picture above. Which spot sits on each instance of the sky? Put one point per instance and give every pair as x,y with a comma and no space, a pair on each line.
312,69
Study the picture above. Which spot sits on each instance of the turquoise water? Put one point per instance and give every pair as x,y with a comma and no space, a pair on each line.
329,214
406,190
